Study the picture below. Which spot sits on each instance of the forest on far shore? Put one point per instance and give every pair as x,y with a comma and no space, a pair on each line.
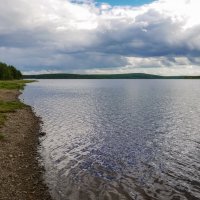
9,72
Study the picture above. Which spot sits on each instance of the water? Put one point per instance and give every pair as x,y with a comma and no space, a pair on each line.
119,139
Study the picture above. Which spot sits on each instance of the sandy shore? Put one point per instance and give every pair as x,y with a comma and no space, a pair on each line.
20,173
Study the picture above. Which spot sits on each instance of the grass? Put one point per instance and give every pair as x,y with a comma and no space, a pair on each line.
2,137
11,106
2,119
7,107
14,84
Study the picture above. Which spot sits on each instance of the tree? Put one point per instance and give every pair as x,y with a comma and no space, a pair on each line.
9,72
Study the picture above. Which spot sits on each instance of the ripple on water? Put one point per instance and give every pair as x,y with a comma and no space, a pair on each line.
120,139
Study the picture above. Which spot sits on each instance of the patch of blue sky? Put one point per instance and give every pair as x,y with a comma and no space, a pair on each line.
125,2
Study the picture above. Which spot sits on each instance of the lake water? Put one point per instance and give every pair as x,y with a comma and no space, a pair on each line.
119,139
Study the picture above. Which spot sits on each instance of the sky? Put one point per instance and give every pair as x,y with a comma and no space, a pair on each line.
125,2
88,36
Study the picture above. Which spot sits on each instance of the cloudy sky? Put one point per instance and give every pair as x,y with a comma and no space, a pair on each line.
111,36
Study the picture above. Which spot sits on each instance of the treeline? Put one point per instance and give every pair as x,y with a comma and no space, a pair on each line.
8,72
93,76
106,76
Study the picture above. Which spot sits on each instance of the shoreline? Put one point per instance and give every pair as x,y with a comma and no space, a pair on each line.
21,175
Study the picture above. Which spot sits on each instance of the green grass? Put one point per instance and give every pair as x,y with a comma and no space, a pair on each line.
7,107
14,84
2,119
10,106
2,137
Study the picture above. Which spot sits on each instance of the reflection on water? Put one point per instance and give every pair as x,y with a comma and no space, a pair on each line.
120,139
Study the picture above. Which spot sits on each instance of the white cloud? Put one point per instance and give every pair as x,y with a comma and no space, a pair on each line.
60,35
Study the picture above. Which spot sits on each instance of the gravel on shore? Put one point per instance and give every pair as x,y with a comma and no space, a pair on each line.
21,176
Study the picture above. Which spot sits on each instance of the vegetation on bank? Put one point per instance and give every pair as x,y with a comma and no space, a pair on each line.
106,76
10,106
14,84
2,137
92,76
2,119
9,72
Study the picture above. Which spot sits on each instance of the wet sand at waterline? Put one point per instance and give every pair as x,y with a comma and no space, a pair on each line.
20,173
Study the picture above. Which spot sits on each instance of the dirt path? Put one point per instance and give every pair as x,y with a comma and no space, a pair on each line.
20,174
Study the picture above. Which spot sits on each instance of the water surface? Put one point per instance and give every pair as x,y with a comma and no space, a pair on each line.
119,139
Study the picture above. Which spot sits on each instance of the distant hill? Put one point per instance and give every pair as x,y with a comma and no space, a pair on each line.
106,76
